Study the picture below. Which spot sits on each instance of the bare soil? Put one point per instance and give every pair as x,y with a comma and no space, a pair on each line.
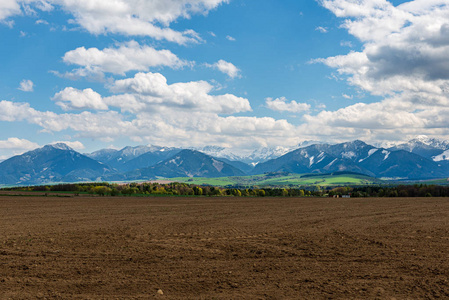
223,248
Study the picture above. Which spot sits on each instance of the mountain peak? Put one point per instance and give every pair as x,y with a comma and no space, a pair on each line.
59,146
422,138
432,142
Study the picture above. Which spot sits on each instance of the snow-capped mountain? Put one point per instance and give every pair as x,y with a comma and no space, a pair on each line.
306,144
355,156
424,159
254,157
320,158
430,148
264,154
435,143
219,152
119,159
150,158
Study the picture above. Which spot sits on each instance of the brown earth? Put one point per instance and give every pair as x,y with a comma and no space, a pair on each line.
223,248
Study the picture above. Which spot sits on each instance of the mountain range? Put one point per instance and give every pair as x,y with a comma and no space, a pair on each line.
420,158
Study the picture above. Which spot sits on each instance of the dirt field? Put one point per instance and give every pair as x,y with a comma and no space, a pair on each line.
223,248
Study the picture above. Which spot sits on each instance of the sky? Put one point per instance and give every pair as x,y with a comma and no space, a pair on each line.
241,74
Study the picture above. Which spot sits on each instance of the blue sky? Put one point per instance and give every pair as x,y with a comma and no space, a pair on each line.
238,73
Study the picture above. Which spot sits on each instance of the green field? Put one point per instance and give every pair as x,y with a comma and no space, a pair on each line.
441,182
279,180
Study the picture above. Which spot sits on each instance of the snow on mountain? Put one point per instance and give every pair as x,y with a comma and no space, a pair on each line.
424,146
219,152
253,157
60,146
265,154
306,144
134,151
370,152
443,156
435,143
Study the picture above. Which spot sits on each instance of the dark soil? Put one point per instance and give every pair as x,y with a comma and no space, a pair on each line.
223,248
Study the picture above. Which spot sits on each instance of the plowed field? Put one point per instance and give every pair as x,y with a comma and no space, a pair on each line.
223,248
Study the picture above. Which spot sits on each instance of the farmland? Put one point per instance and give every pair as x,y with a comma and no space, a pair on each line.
223,247
287,180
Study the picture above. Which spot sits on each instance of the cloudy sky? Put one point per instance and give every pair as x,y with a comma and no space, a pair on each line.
233,73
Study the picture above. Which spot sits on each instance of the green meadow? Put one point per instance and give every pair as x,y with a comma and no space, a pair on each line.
279,180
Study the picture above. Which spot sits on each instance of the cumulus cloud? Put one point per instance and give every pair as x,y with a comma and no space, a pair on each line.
322,29
170,127
153,111
126,17
74,99
404,58
26,86
405,49
17,144
281,104
227,68
230,38
119,60
151,91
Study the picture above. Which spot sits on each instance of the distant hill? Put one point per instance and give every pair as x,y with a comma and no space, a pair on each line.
355,156
416,160
186,163
429,148
131,158
103,155
51,163
320,158
154,156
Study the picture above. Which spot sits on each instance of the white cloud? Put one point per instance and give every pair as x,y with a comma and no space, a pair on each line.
134,17
26,86
282,104
119,60
404,49
40,21
321,29
170,127
126,17
230,38
346,44
17,144
227,68
150,91
9,8
44,5
404,57
71,98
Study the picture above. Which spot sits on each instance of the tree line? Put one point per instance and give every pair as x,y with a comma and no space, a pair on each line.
184,189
